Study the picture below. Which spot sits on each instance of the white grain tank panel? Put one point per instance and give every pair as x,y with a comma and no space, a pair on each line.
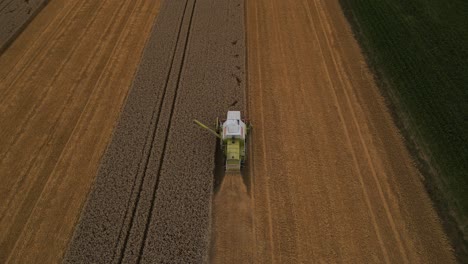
234,115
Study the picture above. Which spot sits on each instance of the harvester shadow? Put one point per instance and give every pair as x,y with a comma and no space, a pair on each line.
219,168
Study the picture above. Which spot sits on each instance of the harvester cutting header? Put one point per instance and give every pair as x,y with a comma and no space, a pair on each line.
232,133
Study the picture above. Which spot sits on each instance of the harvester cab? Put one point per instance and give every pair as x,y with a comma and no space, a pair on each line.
232,133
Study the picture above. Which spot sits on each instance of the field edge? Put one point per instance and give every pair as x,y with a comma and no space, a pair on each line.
4,46
413,144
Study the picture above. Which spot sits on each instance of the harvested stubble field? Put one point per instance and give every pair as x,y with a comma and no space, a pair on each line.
15,16
331,180
62,84
152,198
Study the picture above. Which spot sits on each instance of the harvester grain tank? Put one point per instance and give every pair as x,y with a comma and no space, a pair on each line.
232,133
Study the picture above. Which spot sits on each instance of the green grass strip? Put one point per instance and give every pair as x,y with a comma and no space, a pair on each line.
419,52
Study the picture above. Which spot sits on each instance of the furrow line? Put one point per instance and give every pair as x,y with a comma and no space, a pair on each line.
57,34
167,134
346,86
93,64
349,143
153,137
32,114
37,103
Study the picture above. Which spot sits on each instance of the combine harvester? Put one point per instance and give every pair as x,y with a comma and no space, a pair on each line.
232,133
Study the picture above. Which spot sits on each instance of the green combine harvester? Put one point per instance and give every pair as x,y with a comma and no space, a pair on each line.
232,133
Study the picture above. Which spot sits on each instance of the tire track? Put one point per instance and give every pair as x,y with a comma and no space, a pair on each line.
156,114
363,144
32,52
16,73
251,160
139,231
150,215
263,147
280,184
348,139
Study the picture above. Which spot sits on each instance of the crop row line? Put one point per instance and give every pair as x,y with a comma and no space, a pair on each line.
151,138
